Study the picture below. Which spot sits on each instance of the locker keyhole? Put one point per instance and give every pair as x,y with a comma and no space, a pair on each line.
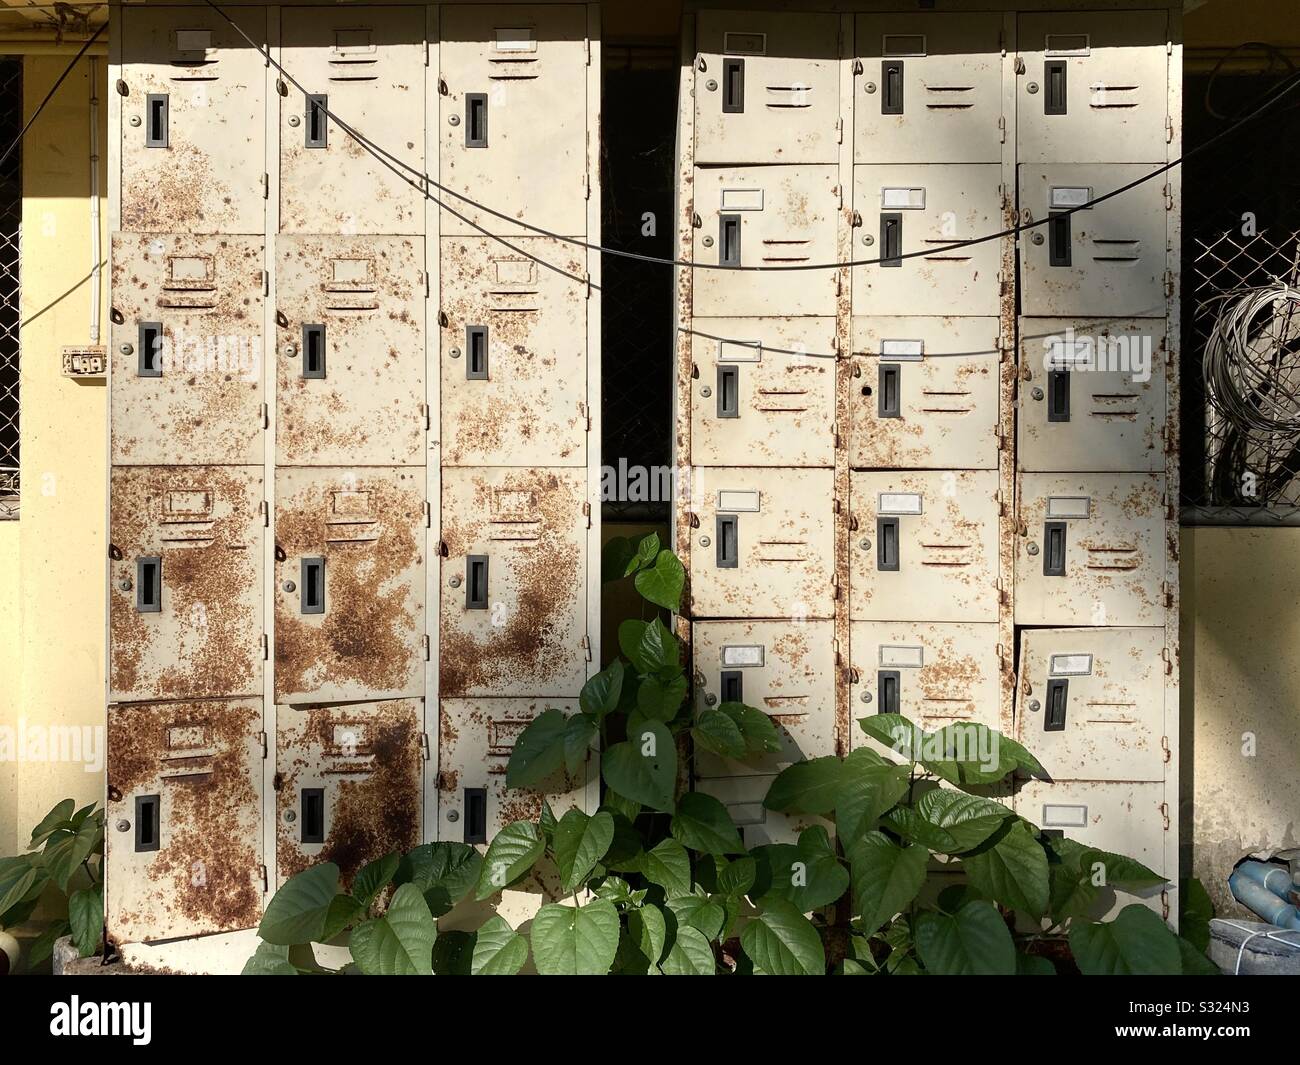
1054,549
476,582
729,240
316,130
313,352
312,815
476,353
148,822
728,541
312,595
1058,395
148,584
888,399
1058,239
149,350
733,686
1054,87
891,85
1057,690
728,391
156,107
733,86
887,543
476,815
889,692
476,118
891,239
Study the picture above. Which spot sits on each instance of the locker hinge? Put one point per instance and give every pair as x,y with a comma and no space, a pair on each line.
835,587
1164,903
586,414
265,885
588,42
1002,659
1164,813
585,644
1169,47
1002,440
856,220
1020,65
853,523
428,514
264,508
428,423
266,417
266,647
835,435
839,196
1169,196
1169,283
424,745
586,185
261,736
1168,593
1169,129
586,513
1002,592
426,53
266,282
1168,661
839,131
426,643
857,67
1002,129
266,185
1169,754
836,504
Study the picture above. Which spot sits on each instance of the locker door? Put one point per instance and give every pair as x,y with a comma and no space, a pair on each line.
512,75
767,87
924,393
185,573
514,350
923,546
349,583
1094,87
477,738
366,65
1090,702
1092,394
758,826
1091,550
350,351
757,401
183,842
909,208
1109,259
765,543
513,582
193,138
348,784
773,216
186,337
930,89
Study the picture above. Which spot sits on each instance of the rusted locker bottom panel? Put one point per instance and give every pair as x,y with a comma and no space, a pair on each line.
184,819
743,797
348,784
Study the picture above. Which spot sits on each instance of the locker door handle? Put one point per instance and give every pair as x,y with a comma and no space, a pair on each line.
729,240
149,350
312,815
1058,395
311,594
316,128
728,391
157,121
887,544
733,686
1054,549
476,119
476,353
733,86
476,582
728,541
476,815
1057,693
1054,87
148,584
148,822
891,85
891,239
889,692
889,391
313,352
1058,240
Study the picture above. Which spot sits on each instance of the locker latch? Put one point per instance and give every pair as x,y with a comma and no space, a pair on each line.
148,584
728,541
157,131
891,87
312,815
1054,87
888,392
733,86
888,691
476,353
887,543
476,815
316,128
311,593
728,391
1058,689
891,239
1058,395
476,582
1054,548
313,352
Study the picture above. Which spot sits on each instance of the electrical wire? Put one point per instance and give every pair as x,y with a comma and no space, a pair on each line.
1248,367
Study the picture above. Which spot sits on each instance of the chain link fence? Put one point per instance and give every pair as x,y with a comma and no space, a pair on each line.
11,211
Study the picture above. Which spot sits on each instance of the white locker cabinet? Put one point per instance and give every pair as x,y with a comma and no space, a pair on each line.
1091,549
923,546
764,543
1091,394
758,826
767,87
911,214
764,395
924,393
1090,702
1109,259
930,89
765,216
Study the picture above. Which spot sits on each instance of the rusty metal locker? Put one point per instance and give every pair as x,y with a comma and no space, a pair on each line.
349,583
512,76
765,216
924,393
923,546
764,543
193,138
185,573
350,351
513,353
930,88
1091,549
1105,260
186,337
349,784
367,65
1090,703
764,394
1092,394
758,826
476,739
1094,87
767,87
513,582
183,828
910,213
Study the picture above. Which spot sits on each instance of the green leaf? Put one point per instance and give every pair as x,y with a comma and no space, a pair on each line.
699,912
737,877
446,871
539,751
1197,910
1071,893
511,854
781,941
580,842
453,953
702,823
949,821
614,558
575,940
373,877
661,699
901,735
65,850
400,943
662,583
498,949
760,734
1117,871
810,787
807,874
718,732
668,865
866,793
972,941
1034,965
644,766
58,818
342,912
17,889
690,954
297,912
646,552
578,735
43,945
1136,942
1195,963
599,696
269,960
1012,870
886,877
649,930
86,916
650,647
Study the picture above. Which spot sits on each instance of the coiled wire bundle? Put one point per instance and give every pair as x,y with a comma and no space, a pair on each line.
1252,368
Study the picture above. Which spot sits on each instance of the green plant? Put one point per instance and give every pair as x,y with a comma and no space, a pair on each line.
66,850
925,872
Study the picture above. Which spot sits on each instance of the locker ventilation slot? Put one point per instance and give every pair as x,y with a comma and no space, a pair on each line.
312,815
